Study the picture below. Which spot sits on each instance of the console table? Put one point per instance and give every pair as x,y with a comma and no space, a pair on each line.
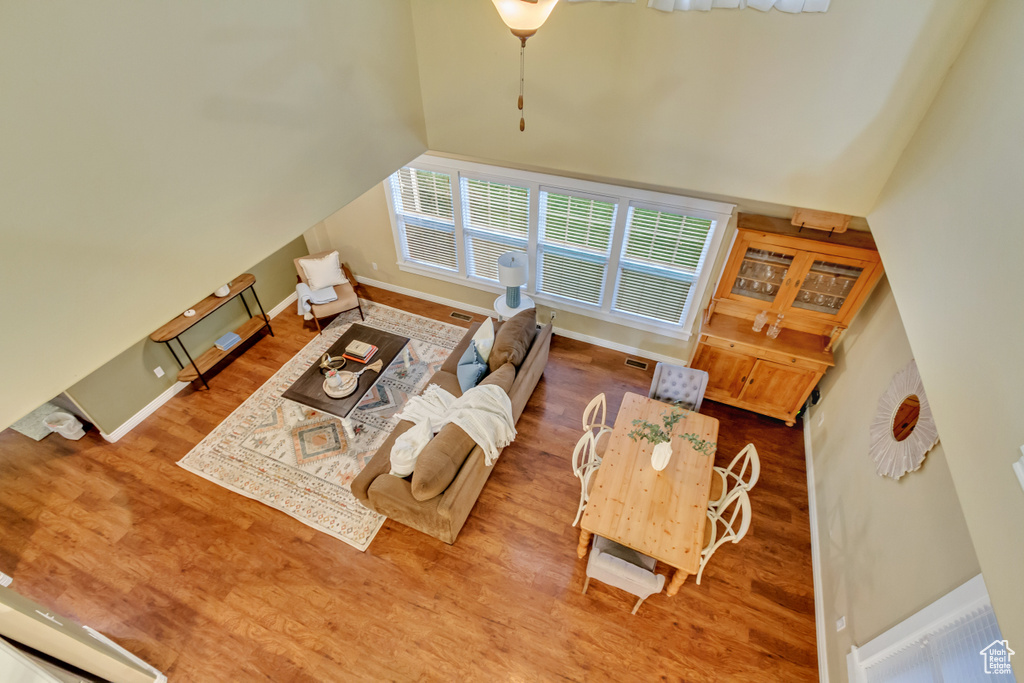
206,360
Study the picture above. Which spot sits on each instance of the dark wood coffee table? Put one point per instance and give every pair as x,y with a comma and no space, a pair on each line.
309,388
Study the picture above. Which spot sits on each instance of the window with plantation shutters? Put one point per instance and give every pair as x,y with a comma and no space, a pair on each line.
662,255
422,202
628,256
575,241
495,219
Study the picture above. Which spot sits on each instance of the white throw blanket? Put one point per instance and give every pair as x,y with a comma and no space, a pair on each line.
483,412
308,296
407,448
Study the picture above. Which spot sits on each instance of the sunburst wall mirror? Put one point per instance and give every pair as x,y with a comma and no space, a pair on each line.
903,430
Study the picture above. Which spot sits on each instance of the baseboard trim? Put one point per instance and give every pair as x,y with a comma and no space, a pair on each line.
172,390
819,590
570,334
138,417
285,303
398,289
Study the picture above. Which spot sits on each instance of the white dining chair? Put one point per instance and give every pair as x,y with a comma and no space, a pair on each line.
585,462
743,471
595,419
625,568
727,523
596,413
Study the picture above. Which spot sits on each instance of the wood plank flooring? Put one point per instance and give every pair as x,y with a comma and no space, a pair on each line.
210,586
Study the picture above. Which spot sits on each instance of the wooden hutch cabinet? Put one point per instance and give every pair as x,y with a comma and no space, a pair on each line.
815,281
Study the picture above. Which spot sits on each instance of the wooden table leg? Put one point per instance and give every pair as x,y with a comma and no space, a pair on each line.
581,549
678,578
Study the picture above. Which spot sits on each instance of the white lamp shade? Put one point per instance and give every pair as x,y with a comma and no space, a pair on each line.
512,266
524,15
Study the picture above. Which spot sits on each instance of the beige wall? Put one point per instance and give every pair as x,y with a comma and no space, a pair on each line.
948,226
152,151
125,384
803,110
888,547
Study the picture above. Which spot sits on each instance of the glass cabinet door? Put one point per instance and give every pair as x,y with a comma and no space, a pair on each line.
826,286
761,274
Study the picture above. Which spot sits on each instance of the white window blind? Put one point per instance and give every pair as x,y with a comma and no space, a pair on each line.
662,255
423,208
496,219
944,642
952,654
575,240
624,255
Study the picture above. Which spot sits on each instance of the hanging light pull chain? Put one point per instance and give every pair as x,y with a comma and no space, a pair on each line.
522,79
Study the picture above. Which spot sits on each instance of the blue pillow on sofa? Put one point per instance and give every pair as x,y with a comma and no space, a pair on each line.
471,368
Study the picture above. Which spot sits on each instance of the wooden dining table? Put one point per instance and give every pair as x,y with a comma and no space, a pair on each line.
660,514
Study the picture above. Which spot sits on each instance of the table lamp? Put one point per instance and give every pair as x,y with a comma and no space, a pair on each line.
512,273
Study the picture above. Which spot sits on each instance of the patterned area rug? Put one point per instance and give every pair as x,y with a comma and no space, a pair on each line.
302,461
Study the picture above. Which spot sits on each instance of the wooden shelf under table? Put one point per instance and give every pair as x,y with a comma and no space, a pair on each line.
207,359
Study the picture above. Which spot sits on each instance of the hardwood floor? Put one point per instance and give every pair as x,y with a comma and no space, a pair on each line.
210,586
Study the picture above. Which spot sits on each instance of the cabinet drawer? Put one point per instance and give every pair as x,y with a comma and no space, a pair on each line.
732,346
767,354
791,361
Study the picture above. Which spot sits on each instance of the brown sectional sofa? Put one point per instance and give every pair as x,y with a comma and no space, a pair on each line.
451,471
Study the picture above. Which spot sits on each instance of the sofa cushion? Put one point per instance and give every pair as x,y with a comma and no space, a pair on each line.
513,339
447,381
453,358
471,368
440,461
484,339
503,377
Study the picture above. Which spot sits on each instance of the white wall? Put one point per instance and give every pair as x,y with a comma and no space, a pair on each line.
804,110
948,226
888,547
153,151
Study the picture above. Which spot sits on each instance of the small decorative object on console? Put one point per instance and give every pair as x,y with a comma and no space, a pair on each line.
775,327
223,290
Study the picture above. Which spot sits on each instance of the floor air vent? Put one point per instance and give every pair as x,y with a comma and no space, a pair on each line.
634,363
461,316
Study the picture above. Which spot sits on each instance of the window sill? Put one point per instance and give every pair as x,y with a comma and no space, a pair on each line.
559,304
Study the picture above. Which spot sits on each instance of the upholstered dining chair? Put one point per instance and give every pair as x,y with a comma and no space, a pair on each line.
585,462
743,471
625,568
728,523
680,385
347,297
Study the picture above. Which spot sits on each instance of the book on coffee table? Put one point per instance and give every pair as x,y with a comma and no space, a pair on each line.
359,352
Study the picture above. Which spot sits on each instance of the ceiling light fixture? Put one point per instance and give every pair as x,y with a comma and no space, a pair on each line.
523,17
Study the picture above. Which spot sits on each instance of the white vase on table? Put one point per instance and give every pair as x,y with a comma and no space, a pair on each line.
661,454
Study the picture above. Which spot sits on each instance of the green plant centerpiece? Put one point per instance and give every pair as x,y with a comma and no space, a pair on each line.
661,436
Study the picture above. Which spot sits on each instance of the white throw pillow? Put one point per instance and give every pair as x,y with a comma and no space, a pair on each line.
323,272
484,339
